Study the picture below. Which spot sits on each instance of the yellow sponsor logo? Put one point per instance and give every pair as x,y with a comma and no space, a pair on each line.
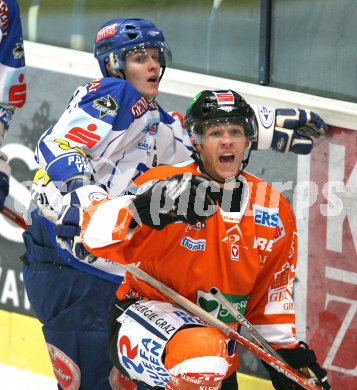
66,146
41,175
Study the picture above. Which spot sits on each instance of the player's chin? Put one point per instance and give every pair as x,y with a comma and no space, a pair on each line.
223,174
151,91
227,171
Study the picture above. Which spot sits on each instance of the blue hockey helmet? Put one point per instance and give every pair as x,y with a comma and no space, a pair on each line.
117,36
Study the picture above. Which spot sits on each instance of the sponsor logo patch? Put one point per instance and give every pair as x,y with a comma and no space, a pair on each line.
151,128
266,217
233,235
209,304
279,231
106,32
233,238
193,245
280,294
263,244
86,136
118,381
144,145
141,360
266,115
197,226
94,85
235,252
66,146
18,52
224,98
17,92
141,106
133,294
4,18
79,162
153,33
65,369
106,106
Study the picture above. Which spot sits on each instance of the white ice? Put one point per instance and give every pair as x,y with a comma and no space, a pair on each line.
15,379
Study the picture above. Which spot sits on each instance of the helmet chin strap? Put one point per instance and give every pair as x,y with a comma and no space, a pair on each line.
245,162
163,68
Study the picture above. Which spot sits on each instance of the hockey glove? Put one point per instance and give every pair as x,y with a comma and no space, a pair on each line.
295,129
69,223
68,230
303,358
5,171
182,197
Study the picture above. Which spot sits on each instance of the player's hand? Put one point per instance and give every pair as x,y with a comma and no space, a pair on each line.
295,130
69,223
301,358
184,197
68,230
5,171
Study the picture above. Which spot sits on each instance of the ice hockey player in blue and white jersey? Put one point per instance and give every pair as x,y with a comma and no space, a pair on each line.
112,131
12,79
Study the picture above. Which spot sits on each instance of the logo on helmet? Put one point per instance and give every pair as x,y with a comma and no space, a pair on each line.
153,33
106,32
224,97
226,109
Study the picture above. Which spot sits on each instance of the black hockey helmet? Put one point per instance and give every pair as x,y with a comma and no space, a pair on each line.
214,107
210,108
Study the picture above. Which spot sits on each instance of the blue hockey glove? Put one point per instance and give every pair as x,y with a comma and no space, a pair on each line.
295,130
184,197
5,171
69,223
68,229
303,358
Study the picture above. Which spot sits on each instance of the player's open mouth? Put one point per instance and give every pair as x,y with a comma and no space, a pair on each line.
226,158
152,79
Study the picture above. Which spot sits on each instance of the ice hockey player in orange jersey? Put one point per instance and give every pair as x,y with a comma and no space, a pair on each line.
193,226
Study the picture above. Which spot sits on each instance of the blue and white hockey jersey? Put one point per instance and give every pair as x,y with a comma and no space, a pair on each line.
12,61
111,134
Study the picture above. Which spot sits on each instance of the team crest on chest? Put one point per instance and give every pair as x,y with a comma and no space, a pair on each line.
234,239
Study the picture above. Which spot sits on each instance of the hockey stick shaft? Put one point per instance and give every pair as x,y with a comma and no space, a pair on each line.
262,354
278,364
244,322
14,217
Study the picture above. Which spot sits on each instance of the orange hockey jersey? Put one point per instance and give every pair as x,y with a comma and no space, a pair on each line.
249,255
